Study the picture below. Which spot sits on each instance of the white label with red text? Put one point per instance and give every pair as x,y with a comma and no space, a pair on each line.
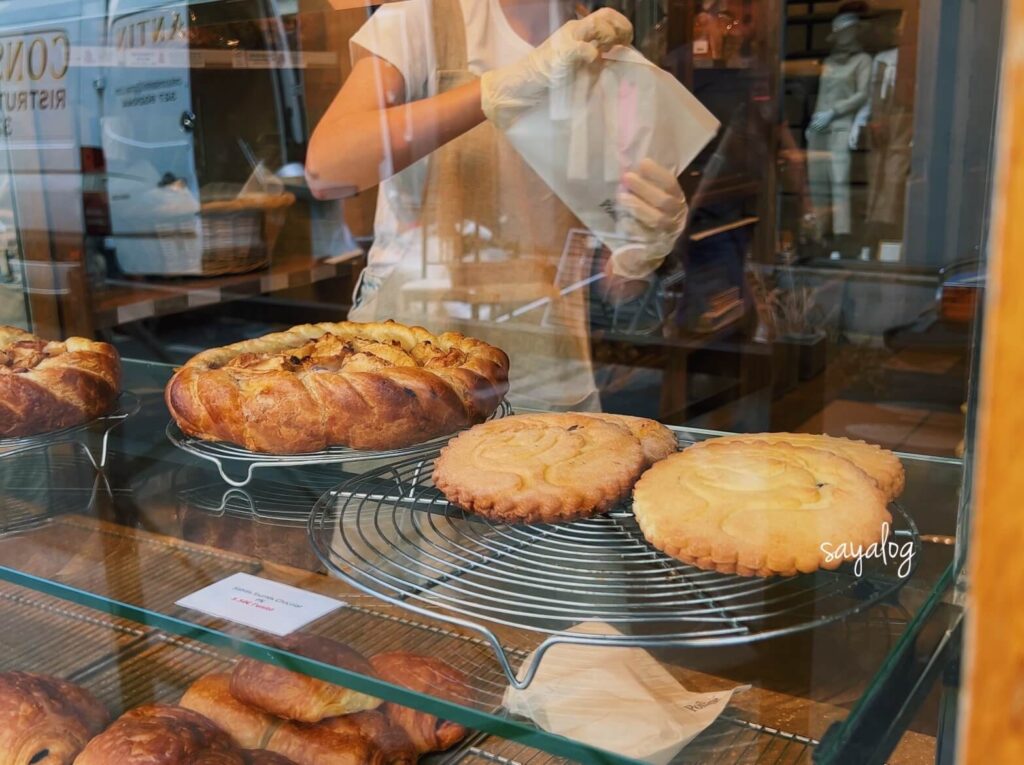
262,604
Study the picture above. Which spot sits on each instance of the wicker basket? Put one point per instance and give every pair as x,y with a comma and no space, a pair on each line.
238,235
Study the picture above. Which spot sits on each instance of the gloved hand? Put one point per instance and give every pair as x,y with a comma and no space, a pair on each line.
505,92
655,215
821,120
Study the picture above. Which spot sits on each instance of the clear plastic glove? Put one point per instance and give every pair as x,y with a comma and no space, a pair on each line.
507,91
656,212
821,120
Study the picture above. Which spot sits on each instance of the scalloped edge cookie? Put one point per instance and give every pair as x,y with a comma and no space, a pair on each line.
510,493
693,527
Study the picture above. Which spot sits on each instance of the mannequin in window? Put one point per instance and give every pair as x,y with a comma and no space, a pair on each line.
842,90
885,127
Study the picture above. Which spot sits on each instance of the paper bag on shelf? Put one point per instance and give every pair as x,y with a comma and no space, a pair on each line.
618,699
600,123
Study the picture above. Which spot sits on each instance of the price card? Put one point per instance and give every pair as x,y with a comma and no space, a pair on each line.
262,604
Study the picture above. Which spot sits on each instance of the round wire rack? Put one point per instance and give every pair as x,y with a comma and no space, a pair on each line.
285,500
127,405
237,465
391,534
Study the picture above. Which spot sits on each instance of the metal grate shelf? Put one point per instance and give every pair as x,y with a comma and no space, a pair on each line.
127,405
237,465
390,533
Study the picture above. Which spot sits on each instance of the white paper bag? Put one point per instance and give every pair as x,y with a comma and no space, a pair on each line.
600,124
618,699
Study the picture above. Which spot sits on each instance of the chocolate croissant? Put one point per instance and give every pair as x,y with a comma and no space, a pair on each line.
295,696
423,674
319,745
210,696
47,386
161,735
45,720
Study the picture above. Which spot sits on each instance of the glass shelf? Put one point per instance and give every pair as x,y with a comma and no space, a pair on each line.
159,524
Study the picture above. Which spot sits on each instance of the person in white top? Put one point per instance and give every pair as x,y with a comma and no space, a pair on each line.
394,111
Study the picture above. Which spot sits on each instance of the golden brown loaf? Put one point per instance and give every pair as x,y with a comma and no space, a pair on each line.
756,508
47,386
210,696
161,735
424,674
882,465
368,386
296,696
45,720
543,468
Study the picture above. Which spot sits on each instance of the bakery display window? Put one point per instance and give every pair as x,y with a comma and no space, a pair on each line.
494,381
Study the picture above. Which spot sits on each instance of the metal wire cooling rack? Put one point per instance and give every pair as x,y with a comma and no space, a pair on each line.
127,405
285,500
246,462
390,533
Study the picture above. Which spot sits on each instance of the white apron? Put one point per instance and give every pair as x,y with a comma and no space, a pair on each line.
491,261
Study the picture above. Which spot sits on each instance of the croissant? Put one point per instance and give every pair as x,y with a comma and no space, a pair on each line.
394,743
263,757
161,735
296,696
210,696
319,745
367,386
47,386
45,720
423,674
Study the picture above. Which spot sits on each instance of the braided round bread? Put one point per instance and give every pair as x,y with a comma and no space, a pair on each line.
380,385
46,386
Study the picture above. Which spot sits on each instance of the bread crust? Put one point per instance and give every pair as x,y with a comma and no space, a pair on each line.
758,509
39,713
295,696
161,735
539,468
210,696
50,385
423,674
382,386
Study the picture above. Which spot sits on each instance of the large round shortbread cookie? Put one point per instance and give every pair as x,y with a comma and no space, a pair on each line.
657,441
881,464
756,508
539,467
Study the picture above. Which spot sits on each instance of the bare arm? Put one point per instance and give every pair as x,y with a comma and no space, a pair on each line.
368,133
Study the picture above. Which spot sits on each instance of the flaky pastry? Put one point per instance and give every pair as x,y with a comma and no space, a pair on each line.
367,386
297,696
424,674
50,385
161,735
45,719
539,467
757,508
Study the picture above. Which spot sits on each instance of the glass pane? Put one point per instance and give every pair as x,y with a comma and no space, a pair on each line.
727,216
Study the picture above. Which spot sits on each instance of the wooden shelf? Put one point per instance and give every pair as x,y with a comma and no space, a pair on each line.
120,301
